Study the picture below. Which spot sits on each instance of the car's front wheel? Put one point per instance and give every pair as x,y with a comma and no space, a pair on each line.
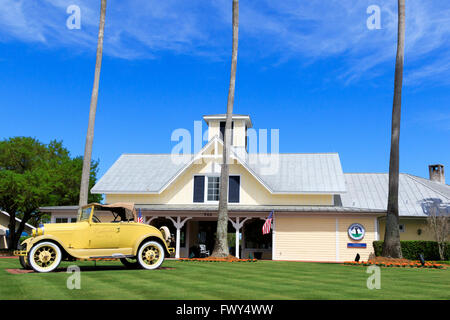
23,260
150,255
44,256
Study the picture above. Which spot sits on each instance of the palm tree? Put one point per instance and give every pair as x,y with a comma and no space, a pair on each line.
221,244
84,188
391,246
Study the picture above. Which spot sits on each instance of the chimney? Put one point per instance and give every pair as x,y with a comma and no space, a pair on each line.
437,173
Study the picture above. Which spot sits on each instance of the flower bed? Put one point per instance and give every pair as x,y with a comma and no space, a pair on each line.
399,264
230,258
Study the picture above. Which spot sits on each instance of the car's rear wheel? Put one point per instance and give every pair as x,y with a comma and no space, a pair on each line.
150,255
44,256
130,263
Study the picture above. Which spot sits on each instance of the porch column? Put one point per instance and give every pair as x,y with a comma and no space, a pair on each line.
237,226
178,224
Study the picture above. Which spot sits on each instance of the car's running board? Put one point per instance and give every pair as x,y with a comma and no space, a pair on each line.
114,256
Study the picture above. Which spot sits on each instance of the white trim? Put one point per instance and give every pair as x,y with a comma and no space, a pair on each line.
179,224
196,157
273,236
337,239
17,219
377,232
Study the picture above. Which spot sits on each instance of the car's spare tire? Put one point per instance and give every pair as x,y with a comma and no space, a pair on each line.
44,256
150,255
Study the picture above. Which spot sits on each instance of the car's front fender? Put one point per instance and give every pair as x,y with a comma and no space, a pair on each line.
31,241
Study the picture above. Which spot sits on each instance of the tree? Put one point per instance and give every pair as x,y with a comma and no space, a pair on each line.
221,243
438,221
84,187
391,245
32,175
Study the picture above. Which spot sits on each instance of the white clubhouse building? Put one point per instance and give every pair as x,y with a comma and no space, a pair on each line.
320,213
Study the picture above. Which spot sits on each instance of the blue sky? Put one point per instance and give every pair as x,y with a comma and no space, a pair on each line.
311,69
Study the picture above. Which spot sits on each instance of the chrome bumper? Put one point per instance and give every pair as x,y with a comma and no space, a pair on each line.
20,252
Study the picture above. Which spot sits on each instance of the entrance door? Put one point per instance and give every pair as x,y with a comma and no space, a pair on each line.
206,234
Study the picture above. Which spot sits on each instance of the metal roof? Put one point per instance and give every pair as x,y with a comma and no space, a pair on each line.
140,173
284,173
370,190
300,172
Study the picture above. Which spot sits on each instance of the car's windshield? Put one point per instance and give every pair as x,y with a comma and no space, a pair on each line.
84,214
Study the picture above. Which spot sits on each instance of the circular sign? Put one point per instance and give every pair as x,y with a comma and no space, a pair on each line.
356,231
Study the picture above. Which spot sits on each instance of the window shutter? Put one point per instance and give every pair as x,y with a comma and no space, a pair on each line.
199,188
234,183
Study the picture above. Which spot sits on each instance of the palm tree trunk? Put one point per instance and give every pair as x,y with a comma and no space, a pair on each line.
391,246
84,188
221,244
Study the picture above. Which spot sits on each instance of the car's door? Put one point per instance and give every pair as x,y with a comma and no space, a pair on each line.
104,235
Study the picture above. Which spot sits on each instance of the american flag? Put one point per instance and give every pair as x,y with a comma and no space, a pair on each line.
267,224
140,219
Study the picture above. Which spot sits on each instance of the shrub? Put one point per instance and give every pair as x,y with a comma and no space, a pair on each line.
412,249
23,238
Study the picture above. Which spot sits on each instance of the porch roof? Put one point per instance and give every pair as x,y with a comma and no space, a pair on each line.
234,208
257,208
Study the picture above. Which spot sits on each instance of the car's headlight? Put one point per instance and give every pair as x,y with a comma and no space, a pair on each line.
37,232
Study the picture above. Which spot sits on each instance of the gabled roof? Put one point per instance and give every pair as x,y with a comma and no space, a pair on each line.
17,219
370,190
295,173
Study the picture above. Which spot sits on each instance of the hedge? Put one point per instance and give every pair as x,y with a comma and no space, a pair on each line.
412,249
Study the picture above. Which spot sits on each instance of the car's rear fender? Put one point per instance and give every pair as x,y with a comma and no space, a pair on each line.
150,237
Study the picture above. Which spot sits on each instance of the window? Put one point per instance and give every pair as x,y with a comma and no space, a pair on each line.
233,189
65,220
209,187
199,188
84,214
401,227
213,189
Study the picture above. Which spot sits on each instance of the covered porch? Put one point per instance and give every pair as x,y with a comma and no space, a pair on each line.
194,229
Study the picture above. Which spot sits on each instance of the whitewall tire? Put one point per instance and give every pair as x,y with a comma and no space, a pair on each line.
44,257
150,255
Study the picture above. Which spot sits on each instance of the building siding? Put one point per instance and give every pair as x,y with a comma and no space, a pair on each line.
305,238
411,227
320,238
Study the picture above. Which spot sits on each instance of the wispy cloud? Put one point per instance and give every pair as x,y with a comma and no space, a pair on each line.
299,30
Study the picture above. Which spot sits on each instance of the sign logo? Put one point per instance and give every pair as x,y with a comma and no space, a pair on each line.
356,231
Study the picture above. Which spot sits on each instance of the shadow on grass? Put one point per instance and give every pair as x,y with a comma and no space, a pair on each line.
87,269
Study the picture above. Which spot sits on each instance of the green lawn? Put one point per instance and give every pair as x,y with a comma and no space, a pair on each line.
200,280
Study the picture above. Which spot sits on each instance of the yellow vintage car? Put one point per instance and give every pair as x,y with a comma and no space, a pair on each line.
101,231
